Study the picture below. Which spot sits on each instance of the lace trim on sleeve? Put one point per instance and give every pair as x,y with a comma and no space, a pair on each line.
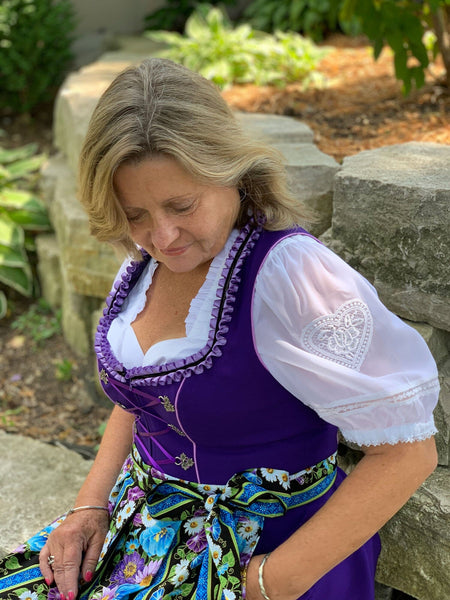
414,394
415,432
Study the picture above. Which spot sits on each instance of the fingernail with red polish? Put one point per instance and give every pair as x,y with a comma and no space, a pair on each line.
88,576
61,595
48,580
70,596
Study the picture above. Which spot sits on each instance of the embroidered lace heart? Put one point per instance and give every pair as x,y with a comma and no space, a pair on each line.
343,337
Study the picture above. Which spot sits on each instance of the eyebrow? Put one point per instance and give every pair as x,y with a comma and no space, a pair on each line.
165,202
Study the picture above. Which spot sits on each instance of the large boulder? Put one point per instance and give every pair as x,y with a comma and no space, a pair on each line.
416,542
81,90
311,175
276,128
391,220
88,264
442,417
39,482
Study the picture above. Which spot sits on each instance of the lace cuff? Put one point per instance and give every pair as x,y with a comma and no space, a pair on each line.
414,432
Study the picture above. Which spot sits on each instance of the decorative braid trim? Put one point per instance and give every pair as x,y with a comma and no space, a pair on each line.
403,397
221,315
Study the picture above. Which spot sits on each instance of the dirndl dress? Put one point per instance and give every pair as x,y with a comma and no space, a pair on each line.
225,464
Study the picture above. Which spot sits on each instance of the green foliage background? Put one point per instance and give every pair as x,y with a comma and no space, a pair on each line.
35,40
22,215
225,54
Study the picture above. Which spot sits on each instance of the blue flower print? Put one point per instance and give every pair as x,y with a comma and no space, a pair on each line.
132,545
215,528
38,541
158,594
253,478
156,540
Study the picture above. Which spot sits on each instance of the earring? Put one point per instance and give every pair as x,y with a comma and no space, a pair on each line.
242,194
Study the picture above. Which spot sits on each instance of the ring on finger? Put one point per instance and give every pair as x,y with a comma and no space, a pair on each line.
51,560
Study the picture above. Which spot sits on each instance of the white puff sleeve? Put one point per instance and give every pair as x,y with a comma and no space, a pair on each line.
321,331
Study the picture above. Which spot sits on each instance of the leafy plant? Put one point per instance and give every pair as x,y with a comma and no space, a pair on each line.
39,322
64,369
313,18
5,414
227,55
402,25
174,14
22,214
35,40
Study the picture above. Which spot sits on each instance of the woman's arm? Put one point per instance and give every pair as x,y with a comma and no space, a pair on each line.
375,490
77,542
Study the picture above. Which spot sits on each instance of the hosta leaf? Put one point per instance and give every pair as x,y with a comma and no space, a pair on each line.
166,37
11,198
19,279
11,235
22,168
8,156
31,221
12,257
3,305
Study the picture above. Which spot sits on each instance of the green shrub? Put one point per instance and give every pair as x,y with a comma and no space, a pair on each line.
35,40
403,26
39,323
313,18
227,55
22,215
174,14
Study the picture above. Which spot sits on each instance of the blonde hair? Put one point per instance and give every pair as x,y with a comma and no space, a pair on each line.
162,108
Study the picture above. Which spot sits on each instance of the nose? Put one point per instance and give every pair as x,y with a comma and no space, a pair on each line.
164,232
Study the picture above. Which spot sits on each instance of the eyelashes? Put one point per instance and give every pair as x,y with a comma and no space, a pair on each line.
171,209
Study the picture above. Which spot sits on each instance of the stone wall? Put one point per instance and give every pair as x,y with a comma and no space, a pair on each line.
385,211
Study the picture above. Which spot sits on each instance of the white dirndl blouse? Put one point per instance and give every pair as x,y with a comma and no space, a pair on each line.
320,329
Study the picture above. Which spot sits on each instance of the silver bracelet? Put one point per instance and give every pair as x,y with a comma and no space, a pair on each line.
260,577
72,510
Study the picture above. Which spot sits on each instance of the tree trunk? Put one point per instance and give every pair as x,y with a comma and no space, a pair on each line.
440,23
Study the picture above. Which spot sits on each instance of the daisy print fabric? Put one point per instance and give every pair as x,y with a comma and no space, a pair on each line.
170,538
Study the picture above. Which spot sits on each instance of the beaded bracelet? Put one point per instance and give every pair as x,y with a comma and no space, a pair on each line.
260,577
72,510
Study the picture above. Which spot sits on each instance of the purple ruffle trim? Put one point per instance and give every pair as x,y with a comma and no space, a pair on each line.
221,315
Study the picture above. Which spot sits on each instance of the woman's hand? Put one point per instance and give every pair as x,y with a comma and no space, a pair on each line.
76,546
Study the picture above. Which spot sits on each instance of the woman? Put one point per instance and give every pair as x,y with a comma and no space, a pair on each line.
233,345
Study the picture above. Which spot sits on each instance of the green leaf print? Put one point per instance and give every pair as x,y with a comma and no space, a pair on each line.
234,580
21,591
12,564
186,589
228,558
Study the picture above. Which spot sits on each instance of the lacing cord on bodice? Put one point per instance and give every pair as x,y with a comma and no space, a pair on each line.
140,430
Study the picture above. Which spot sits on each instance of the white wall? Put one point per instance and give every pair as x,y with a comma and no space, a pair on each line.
98,21
113,16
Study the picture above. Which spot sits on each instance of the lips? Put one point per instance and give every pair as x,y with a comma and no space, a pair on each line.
175,251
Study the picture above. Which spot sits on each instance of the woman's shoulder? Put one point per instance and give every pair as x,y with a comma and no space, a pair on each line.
297,256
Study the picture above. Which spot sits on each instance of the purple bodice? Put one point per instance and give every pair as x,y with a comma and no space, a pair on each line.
219,411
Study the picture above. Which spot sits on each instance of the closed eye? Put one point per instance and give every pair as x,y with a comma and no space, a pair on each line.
182,208
136,217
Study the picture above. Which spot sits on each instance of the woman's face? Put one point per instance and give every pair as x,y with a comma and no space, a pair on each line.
177,220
